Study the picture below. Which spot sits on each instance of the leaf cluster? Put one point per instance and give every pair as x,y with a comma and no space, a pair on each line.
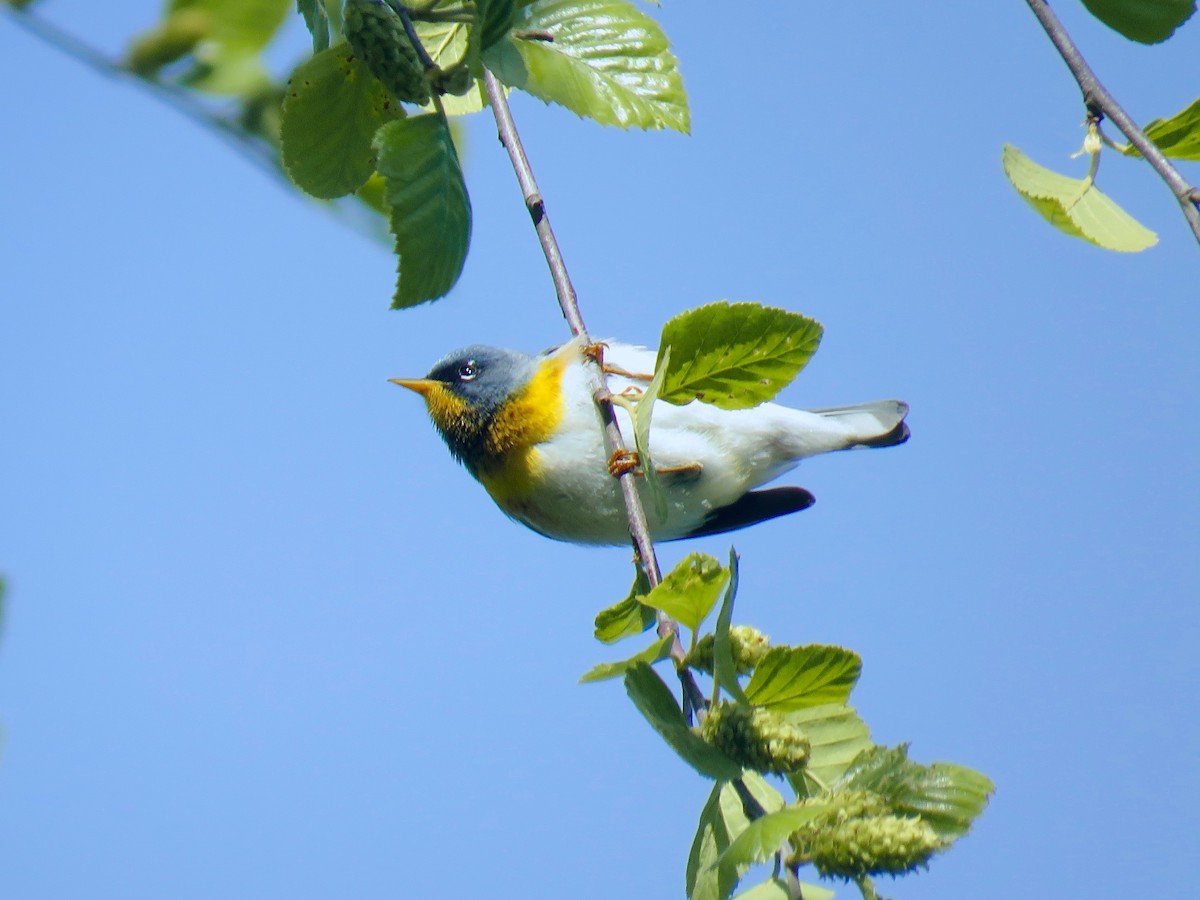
857,809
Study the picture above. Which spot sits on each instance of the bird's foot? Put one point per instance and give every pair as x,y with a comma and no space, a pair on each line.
622,462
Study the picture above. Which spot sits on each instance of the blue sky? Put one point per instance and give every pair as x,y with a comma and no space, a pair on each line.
265,639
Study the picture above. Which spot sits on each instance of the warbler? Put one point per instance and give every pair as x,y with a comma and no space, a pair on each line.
527,429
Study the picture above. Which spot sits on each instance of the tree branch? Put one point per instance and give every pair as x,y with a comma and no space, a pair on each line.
568,301
1101,103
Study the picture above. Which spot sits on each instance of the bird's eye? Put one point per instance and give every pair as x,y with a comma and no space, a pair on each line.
468,370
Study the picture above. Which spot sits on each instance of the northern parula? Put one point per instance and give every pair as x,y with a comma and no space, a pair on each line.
527,429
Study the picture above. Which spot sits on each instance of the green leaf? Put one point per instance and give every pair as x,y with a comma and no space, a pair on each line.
431,213
1075,206
774,889
603,59
643,411
800,677
690,590
654,701
837,735
947,796
244,23
1145,21
628,617
496,20
1177,136
721,821
724,668
660,649
736,355
763,837
331,112
316,21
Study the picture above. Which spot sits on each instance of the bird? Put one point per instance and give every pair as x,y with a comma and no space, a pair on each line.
526,427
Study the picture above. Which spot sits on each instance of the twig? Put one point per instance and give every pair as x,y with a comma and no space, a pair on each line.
1100,102
569,303
178,99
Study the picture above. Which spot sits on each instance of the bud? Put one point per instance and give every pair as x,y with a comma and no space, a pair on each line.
756,738
871,845
747,645
377,35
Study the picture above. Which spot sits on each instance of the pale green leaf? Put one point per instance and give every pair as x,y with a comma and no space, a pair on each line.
629,616
947,796
603,59
721,821
331,112
227,70
690,590
656,703
836,735
735,355
643,412
317,22
1075,206
1145,21
790,678
660,649
774,889
431,213
244,23
724,668
763,837
1177,136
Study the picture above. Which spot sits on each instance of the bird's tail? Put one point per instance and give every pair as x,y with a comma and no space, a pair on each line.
877,424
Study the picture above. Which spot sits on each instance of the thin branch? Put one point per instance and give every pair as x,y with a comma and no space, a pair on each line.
1100,102
569,303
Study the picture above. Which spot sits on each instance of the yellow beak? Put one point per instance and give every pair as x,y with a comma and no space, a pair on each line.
421,385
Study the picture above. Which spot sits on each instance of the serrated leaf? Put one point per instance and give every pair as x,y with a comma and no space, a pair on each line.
655,702
659,650
837,736
643,412
316,21
1145,21
763,837
331,111
1177,136
690,590
721,821
603,59
724,669
431,213
1075,206
947,796
629,616
790,678
736,355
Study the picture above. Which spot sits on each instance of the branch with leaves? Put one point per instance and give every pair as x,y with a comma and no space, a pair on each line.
797,780
1076,206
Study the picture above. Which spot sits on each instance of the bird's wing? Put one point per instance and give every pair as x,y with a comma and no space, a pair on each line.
751,508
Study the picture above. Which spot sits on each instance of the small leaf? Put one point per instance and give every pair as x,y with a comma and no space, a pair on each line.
331,112
736,355
774,889
1177,136
654,701
791,678
721,821
837,736
724,668
1075,206
629,616
690,590
603,59
763,837
947,796
643,411
316,21
1145,21
431,214
660,649
244,23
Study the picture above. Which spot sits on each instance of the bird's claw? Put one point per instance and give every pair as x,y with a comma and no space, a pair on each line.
622,462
